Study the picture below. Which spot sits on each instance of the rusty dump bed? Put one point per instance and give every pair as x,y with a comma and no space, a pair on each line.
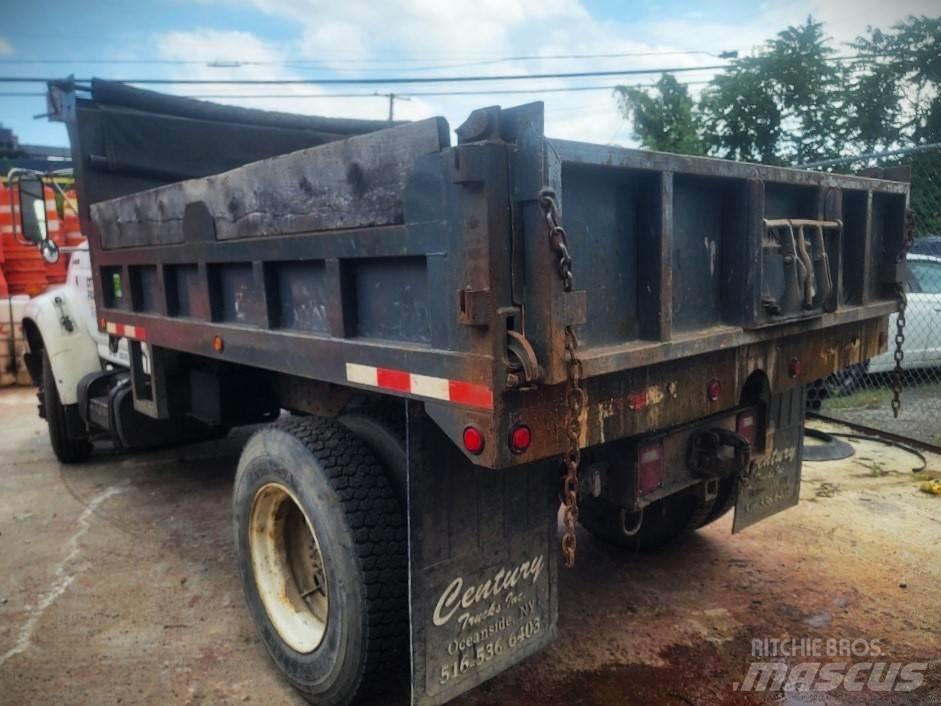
393,260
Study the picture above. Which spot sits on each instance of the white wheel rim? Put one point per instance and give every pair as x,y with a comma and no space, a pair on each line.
288,567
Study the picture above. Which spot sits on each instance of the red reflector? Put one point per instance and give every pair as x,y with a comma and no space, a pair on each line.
649,467
393,380
520,438
473,440
746,426
713,390
794,367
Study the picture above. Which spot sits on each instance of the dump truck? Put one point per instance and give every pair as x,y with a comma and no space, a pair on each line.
458,350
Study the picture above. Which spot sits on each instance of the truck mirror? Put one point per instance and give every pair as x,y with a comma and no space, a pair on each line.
49,250
32,216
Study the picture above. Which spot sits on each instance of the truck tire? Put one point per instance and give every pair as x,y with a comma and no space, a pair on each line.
384,434
660,523
321,541
67,447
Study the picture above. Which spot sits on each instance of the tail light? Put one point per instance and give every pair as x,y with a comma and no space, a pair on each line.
746,426
649,467
520,438
473,440
713,389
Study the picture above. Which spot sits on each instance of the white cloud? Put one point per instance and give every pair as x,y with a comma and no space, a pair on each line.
423,34
5,47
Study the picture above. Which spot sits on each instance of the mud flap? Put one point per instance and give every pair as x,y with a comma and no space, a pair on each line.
482,560
773,482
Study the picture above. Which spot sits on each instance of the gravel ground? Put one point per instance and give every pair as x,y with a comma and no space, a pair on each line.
118,586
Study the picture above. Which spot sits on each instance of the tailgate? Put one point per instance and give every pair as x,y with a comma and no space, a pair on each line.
677,256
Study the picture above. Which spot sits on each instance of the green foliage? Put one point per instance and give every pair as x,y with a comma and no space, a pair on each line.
780,106
663,122
896,91
792,102
740,117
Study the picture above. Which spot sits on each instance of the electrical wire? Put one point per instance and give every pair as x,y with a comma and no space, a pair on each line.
401,60
300,63
387,80
398,80
403,94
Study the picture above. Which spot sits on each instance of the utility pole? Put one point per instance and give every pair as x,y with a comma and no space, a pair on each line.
392,99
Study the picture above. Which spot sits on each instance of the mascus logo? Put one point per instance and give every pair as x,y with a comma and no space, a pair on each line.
456,596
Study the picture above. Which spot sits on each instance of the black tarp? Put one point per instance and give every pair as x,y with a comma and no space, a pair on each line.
125,139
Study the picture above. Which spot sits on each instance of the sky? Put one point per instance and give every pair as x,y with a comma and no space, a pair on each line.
317,39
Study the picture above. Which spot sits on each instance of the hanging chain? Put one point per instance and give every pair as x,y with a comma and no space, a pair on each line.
901,298
575,396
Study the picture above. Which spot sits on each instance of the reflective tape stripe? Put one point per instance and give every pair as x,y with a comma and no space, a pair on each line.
458,391
138,333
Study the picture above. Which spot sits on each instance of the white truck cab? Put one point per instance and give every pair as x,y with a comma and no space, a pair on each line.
63,323
64,346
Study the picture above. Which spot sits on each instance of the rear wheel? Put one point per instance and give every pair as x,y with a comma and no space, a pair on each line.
321,540
68,447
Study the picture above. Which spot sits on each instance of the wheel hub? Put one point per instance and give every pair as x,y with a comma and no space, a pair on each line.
288,568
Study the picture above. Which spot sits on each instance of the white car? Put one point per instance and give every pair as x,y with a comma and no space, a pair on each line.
922,319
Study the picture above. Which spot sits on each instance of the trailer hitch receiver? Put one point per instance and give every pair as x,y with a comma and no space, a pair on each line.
706,457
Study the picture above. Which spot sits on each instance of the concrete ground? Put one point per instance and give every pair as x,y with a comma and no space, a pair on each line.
118,586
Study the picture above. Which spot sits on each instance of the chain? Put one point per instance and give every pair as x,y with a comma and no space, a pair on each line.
575,396
901,298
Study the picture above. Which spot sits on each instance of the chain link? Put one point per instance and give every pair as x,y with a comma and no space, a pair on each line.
575,396
901,298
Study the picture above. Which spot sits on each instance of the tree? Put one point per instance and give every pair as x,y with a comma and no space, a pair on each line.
665,121
740,117
795,101
783,105
897,89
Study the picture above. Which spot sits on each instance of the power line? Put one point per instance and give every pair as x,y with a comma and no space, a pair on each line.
455,63
411,94
389,80
362,65
385,80
404,94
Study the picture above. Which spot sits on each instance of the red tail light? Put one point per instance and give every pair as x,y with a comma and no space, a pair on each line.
520,438
746,426
713,389
649,467
473,440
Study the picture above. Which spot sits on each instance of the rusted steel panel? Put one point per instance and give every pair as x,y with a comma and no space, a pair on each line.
656,396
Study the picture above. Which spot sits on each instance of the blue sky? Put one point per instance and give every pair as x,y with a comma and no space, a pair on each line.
397,37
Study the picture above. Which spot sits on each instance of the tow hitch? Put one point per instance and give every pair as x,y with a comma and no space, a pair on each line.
706,459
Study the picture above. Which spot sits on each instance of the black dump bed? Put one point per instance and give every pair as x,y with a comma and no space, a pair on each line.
327,250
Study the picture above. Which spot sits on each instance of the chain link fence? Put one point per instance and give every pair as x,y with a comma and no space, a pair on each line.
862,394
